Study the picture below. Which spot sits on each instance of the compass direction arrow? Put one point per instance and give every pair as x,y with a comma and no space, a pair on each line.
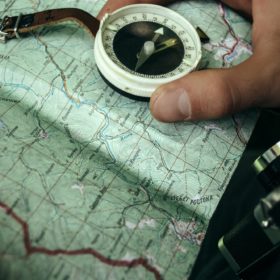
159,32
148,49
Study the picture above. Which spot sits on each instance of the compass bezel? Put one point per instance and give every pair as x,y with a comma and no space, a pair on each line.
125,81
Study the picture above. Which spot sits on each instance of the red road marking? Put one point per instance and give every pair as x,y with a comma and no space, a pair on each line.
87,251
231,31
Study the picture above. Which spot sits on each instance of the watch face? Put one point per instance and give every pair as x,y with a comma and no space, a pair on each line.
130,39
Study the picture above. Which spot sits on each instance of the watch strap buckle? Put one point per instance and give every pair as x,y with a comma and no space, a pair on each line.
3,34
17,26
3,37
7,31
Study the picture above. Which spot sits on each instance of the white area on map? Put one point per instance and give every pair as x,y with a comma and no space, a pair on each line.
78,186
142,224
186,230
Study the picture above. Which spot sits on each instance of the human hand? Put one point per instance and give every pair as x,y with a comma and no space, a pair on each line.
214,93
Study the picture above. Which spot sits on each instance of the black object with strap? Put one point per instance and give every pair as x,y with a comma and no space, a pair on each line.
242,195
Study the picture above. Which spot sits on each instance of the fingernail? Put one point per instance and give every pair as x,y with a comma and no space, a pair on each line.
184,104
172,104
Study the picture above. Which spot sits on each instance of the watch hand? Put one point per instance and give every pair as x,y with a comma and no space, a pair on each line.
148,48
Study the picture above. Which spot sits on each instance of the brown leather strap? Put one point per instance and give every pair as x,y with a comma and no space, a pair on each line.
14,26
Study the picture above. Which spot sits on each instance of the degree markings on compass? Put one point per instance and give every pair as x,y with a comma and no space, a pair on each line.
186,62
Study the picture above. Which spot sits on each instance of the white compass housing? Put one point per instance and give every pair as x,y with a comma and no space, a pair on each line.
130,79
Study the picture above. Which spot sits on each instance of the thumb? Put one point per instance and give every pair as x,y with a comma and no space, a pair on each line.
209,94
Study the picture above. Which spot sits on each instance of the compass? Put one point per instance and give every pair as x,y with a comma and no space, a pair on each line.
142,46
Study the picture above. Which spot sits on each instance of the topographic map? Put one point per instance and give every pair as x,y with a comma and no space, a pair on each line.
91,186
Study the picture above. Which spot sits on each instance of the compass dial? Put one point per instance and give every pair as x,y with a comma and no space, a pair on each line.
145,46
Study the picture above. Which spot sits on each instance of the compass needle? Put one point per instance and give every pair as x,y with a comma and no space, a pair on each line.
165,45
147,50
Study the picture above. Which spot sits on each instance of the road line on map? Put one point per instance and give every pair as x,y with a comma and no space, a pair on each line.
86,251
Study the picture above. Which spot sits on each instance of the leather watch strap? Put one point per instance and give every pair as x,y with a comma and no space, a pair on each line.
11,27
